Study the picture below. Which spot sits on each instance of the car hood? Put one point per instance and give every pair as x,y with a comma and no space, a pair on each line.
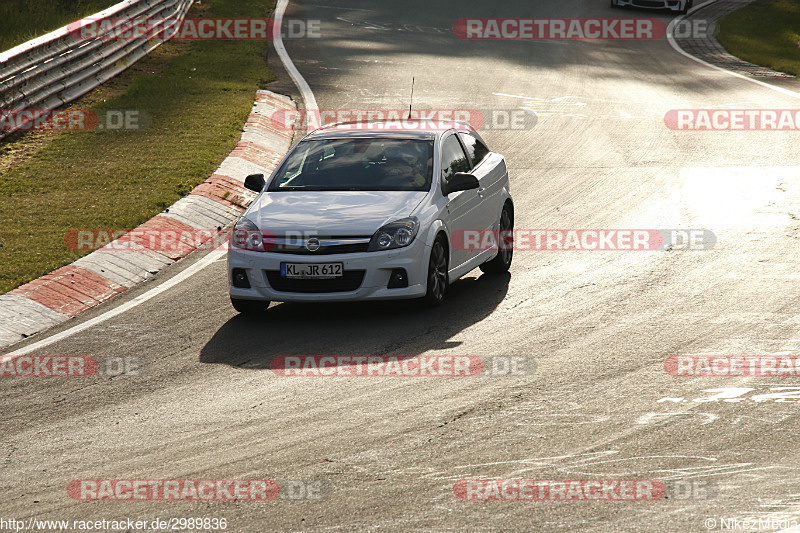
332,213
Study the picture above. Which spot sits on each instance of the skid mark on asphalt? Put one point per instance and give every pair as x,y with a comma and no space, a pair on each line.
600,467
560,100
568,107
605,463
563,419
391,26
667,417
760,419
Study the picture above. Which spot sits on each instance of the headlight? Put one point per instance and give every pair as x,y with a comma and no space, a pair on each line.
247,236
395,235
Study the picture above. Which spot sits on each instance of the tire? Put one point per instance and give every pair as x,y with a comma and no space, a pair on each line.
686,7
614,4
437,274
502,261
250,307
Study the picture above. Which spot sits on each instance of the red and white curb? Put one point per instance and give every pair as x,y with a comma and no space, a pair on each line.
106,272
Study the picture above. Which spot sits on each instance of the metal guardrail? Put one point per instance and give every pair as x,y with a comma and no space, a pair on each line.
55,69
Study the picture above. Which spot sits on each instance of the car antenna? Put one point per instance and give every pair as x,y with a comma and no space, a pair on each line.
412,99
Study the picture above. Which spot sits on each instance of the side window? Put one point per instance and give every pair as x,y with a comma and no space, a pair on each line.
453,158
476,150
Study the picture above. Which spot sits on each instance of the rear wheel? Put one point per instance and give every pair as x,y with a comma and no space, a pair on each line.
437,274
502,261
250,307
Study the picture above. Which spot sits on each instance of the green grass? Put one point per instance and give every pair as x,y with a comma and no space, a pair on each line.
198,95
22,20
767,33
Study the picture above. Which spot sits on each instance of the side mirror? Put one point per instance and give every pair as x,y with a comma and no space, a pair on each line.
461,181
255,182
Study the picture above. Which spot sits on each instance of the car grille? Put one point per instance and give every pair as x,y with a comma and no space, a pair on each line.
648,3
323,250
328,246
350,281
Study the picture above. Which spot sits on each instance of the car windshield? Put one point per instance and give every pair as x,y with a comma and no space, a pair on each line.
362,164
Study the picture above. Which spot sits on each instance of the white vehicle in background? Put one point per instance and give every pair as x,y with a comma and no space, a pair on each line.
681,6
371,213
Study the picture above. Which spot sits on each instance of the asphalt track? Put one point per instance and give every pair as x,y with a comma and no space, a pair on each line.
599,325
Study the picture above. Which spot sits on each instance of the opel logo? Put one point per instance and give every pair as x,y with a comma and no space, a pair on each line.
312,244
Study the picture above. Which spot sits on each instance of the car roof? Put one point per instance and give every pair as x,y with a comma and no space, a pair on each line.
405,129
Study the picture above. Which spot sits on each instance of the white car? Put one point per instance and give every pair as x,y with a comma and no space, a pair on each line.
681,6
370,213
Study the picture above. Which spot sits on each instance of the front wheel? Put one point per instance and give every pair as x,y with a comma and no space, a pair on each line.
249,307
437,274
505,243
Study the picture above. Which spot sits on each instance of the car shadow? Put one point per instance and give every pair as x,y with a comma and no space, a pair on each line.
362,328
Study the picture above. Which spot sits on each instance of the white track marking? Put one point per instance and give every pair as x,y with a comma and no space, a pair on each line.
297,78
678,49
310,103
142,298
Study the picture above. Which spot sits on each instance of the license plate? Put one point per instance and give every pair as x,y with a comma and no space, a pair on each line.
312,271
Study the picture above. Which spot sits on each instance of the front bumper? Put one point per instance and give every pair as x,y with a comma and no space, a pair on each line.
673,5
377,268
